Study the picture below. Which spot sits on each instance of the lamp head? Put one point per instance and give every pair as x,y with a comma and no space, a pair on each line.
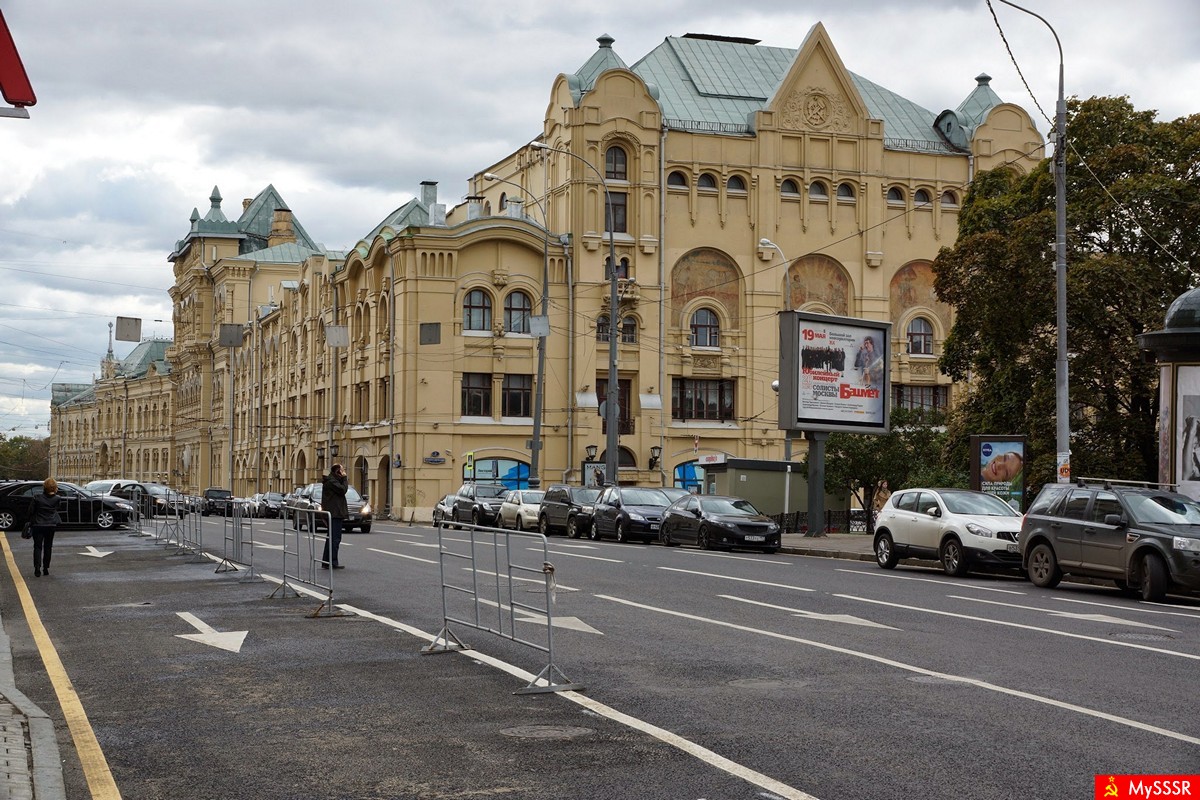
489,176
540,146
764,242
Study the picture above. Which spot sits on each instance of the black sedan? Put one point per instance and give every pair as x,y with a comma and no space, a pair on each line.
77,507
717,521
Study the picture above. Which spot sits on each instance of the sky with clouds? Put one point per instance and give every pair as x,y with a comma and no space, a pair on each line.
143,106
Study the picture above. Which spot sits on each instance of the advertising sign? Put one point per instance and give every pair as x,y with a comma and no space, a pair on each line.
593,474
1186,423
835,373
998,467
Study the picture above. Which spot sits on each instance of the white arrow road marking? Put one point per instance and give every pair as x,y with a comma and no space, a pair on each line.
231,641
1105,618
269,546
94,553
541,582
570,623
843,618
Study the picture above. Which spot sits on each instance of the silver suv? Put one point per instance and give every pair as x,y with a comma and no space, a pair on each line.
1140,536
960,528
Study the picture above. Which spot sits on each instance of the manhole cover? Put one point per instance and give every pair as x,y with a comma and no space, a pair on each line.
930,679
768,683
546,731
1143,637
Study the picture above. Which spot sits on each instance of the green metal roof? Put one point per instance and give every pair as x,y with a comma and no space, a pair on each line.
252,228
138,362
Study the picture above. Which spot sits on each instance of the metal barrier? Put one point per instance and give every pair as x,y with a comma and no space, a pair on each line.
452,552
302,560
238,527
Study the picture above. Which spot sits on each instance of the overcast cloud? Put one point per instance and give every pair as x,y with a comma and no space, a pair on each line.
346,107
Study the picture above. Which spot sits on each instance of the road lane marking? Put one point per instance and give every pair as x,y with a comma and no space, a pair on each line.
578,555
1114,642
94,553
1183,737
895,577
702,554
1155,607
230,640
401,555
845,619
739,580
415,544
540,582
91,757
1065,614
570,623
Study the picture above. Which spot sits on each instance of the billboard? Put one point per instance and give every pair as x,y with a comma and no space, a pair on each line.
834,373
998,467
1183,418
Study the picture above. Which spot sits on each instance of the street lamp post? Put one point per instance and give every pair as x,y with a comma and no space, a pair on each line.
611,411
539,397
1061,376
787,306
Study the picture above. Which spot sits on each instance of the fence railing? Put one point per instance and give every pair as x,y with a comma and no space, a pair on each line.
853,521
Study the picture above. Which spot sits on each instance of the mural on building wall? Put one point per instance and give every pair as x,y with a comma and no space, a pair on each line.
912,287
820,279
705,272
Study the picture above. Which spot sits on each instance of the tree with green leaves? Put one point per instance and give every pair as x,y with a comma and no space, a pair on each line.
24,458
1133,209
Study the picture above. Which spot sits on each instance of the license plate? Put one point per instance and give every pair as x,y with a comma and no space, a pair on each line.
756,538
1014,548
653,526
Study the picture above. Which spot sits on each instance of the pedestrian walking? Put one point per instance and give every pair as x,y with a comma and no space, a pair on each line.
333,501
44,519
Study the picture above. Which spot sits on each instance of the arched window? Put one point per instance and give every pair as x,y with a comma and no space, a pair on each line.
616,164
845,191
677,180
895,195
789,187
629,331
706,181
921,197
920,337
503,200
706,329
487,208
477,311
622,268
602,328
517,310
817,191
736,184
949,198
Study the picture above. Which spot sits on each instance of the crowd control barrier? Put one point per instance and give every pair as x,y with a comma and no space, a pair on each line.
303,545
479,563
238,545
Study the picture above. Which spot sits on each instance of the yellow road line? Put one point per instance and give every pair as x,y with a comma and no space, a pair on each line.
95,765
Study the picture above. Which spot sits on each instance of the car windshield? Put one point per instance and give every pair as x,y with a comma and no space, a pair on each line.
733,506
274,496
977,503
644,497
484,490
1163,509
585,496
530,497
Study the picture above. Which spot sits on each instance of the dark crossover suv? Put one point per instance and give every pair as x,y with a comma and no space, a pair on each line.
217,501
628,512
478,503
567,509
1140,536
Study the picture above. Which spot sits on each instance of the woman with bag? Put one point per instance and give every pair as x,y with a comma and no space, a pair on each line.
43,517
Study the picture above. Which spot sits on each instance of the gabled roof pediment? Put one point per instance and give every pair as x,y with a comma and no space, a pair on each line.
818,92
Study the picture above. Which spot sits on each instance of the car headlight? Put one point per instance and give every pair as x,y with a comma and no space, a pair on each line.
1184,543
124,506
586,509
366,509
633,515
979,530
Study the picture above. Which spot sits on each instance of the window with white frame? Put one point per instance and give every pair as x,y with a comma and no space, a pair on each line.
706,328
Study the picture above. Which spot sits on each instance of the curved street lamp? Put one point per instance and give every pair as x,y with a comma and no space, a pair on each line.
611,418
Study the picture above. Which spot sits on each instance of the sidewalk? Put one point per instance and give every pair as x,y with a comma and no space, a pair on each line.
851,546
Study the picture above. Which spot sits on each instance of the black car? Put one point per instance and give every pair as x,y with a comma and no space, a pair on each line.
718,521
1142,537
360,513
627,512
217,501
77,507
478,503
567,509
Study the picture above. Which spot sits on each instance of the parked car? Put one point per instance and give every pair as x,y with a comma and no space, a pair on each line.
1141,537
567,509
167,501
265,504
960,528
673,493
132,491
718,521
360,513
77,507
217,501
478,503
441,511
628,512
519,509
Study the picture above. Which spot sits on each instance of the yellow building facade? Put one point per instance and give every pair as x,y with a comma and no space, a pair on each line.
742,180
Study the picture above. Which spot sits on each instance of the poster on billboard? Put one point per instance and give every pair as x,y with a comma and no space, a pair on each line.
835,373
1186,424
593,474
998,467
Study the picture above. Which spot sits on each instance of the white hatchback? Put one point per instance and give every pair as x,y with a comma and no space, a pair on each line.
960,528
520,509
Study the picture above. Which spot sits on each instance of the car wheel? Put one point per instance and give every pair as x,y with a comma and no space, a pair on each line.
475,516
1043,567
954,559
664,537
622,531
6,520
105,520
1154,579
365,528
885,551
520,523
702,540
594,532
572,528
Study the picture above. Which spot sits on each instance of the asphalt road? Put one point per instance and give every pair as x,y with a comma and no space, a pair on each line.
707,675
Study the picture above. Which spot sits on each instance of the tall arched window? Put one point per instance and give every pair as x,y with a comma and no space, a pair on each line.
629,331
517,310
706,329
477,311
920,337
603,328
616,164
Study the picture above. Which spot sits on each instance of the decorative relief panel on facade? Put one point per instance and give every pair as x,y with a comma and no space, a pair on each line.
820,279
706,272
925,370
706,363
912,287
816,108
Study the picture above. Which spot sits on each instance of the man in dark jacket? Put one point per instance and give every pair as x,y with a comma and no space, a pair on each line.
333,501
43,516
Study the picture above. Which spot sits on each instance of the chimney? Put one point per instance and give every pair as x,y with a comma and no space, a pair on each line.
282,231
516,208
246,202
437,215
474,206
428,193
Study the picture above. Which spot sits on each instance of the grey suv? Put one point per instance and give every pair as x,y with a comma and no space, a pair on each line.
1139,536
567,509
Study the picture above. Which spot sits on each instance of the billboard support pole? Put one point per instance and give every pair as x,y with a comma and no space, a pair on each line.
816,482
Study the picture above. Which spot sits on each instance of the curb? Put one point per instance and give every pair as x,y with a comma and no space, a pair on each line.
45,773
